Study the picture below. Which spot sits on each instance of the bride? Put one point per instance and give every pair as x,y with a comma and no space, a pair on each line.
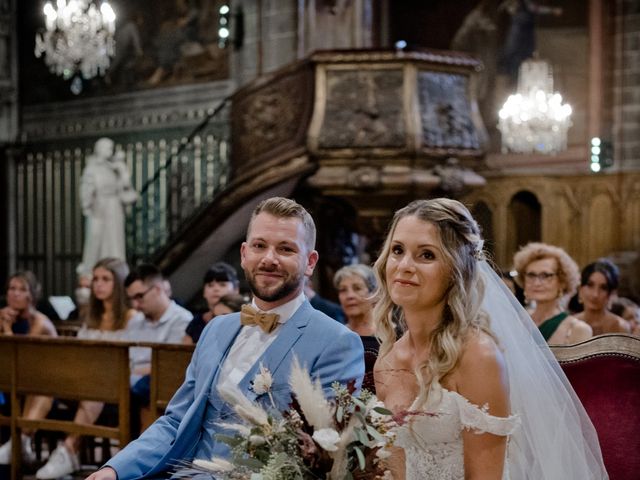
479,391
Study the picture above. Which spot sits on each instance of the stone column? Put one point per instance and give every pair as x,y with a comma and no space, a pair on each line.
8,72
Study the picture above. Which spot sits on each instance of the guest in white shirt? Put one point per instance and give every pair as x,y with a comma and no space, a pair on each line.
164,321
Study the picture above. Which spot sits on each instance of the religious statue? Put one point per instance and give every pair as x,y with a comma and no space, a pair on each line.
105,189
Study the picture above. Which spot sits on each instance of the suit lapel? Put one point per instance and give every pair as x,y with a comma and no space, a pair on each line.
272,358
214,357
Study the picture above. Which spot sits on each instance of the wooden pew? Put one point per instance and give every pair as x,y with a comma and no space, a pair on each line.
6,371
168,366
72,369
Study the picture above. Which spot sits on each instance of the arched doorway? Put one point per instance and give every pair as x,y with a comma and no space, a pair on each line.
525,220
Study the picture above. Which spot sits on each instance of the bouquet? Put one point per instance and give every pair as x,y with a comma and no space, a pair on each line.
339,439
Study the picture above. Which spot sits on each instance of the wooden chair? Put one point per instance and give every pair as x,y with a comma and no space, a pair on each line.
168,366
605,373
72,369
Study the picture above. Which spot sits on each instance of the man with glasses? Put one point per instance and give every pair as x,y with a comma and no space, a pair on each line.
164,321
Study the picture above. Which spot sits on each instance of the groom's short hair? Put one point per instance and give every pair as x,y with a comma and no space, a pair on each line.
286,208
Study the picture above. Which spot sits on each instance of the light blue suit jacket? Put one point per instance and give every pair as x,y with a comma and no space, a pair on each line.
330,351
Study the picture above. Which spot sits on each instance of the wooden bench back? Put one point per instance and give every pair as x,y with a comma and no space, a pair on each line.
6,371
67,368
168,366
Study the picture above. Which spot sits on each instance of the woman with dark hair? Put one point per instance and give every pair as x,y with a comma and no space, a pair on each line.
598,282
221,279
107,319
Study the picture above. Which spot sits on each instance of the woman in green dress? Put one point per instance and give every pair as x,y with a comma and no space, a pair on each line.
549,277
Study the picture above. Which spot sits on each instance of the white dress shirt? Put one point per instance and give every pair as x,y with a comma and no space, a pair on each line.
169,328
252,342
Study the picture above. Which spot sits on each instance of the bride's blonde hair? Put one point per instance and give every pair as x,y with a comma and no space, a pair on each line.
462,248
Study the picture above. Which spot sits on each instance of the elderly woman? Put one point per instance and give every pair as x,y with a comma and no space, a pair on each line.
549,276
355,285
598,282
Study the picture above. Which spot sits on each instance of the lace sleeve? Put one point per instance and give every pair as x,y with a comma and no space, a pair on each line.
479,420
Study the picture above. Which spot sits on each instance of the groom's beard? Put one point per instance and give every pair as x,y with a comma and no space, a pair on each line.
273,294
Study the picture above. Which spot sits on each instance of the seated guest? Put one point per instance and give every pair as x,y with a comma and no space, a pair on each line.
355,285
598,282
327,307
20,317
629,310
107,319
221,279
163,321
230,303
549,277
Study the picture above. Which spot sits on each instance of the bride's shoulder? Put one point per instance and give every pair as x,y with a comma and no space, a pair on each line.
480,354
481,375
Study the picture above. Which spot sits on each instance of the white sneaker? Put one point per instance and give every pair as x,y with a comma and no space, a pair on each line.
28,455
61,463
5,453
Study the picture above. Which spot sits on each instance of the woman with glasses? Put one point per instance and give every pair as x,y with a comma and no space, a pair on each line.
598,282
549,277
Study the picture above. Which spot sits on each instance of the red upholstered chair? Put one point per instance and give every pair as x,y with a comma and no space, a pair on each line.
605,373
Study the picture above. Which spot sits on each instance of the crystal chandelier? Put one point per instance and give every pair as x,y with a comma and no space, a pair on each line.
534,120
78,38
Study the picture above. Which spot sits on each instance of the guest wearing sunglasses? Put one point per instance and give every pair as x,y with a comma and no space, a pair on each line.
549,277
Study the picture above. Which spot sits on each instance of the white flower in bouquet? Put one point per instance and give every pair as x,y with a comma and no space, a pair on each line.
327,438
257,440
343,436
262,381
215,465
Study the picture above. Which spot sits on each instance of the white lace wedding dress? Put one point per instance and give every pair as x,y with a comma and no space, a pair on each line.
433,441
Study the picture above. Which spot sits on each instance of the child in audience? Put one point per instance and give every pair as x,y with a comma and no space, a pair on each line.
629,310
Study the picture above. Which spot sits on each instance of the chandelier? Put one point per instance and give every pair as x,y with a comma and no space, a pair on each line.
78,38
534,120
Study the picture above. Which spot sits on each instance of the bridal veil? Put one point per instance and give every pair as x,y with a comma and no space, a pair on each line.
556,439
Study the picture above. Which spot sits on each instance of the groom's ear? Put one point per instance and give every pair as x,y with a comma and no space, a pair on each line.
312,260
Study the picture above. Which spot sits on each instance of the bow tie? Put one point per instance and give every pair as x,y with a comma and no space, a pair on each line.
266,321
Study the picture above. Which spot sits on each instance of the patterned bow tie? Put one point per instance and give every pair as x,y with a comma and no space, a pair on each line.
266,321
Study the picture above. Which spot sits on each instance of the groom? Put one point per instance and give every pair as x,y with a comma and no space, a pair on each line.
276,257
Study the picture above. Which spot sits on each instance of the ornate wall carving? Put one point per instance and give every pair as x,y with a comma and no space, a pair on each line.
363,109
268,118
445,111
